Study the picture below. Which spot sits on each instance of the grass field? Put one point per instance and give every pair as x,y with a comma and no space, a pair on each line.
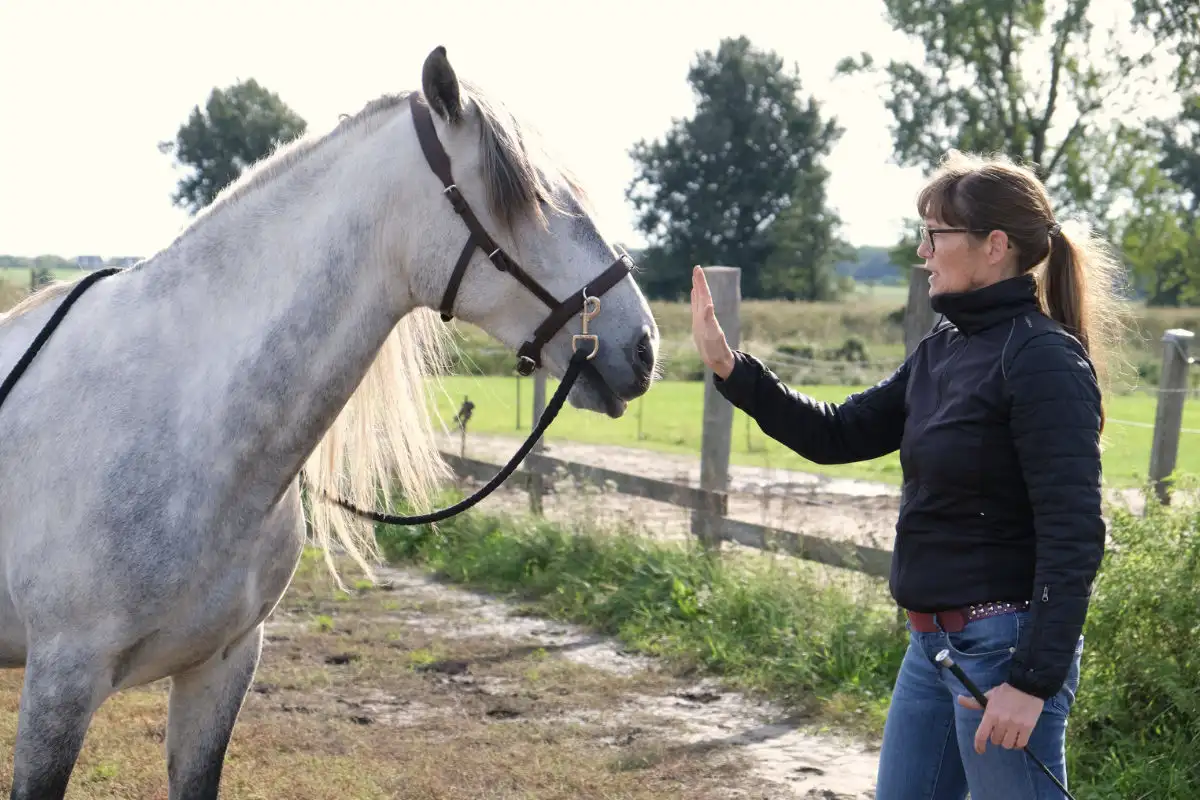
669,420
20,275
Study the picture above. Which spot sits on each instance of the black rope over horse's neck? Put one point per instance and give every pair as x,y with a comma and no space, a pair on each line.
44,334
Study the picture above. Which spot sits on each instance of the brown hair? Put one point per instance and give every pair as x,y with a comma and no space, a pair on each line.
1077,273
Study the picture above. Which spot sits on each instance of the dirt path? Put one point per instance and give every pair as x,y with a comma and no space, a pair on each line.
632,714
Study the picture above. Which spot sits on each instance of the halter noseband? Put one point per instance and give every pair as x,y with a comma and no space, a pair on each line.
529,356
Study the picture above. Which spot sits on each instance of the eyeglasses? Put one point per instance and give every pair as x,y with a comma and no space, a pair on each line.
927,233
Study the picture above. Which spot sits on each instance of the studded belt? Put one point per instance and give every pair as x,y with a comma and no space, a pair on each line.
955,619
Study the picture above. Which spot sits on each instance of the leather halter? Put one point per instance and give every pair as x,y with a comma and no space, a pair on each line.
529,356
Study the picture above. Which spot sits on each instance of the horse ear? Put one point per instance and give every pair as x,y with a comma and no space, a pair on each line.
440,85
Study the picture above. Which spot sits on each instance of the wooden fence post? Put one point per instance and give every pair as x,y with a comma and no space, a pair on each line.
918,315
536,485
1173,390
725,283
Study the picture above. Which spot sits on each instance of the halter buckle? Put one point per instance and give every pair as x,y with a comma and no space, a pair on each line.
584,335
455,195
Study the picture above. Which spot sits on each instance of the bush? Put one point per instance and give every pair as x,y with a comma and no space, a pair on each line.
1136,726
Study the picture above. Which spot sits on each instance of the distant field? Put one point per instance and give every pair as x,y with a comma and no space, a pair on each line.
20,275
670,421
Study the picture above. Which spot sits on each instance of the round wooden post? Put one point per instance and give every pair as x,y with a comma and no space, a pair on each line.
1173,388
725,283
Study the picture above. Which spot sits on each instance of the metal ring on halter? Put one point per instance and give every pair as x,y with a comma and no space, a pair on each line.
587,315
448,188
493,253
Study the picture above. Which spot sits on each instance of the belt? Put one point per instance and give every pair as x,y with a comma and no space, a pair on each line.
955,619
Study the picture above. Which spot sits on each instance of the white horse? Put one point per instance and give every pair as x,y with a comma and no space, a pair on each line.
149,457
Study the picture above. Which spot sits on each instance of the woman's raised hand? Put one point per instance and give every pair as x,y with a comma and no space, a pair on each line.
706,331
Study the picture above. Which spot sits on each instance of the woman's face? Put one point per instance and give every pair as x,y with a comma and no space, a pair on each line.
958,261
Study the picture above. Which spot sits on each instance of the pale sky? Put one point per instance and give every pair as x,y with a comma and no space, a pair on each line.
88,89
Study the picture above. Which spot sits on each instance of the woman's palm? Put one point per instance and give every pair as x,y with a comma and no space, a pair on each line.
706,330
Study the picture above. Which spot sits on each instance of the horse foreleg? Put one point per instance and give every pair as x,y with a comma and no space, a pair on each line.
205,703
63,687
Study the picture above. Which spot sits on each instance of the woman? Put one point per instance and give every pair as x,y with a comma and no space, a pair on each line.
997,415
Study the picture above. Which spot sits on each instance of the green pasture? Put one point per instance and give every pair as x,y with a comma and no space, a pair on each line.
669,419
20,275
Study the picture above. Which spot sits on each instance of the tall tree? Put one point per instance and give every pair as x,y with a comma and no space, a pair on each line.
1160,230
805,245
1041,82
1176,25
711,189
240,124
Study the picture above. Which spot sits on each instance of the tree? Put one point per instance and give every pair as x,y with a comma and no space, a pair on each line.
1160,237
805,247
1004,76
241,124
711,189
1175,24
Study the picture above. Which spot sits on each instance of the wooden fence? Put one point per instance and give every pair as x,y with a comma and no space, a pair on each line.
708,503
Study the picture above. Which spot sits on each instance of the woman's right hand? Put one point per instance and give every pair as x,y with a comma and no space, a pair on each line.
706,331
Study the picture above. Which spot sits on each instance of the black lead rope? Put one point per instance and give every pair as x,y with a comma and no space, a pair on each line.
578,359
49,327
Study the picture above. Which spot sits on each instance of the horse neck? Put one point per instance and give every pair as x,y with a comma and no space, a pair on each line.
291,292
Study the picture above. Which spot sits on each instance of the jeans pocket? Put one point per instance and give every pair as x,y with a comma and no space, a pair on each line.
987,637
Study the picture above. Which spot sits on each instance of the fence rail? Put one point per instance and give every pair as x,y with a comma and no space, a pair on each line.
713,506
709,503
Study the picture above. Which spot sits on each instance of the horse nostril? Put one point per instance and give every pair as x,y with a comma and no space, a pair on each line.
643,354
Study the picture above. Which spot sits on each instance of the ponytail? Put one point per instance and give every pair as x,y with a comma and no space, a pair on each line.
1066,289
1080,293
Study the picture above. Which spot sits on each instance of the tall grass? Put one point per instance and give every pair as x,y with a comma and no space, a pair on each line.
830,642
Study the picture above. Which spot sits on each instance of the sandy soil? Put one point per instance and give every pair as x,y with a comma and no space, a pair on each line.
650,717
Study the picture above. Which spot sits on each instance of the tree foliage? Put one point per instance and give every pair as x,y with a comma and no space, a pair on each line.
1006,76
713,188
1160,234
1061,86
239,125
1174,24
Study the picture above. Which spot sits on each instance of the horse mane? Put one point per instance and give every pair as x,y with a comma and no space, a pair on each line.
42,295
383,440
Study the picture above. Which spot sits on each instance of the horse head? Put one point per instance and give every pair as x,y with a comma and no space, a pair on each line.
512,248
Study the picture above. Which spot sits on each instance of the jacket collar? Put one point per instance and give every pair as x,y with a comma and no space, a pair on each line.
975,310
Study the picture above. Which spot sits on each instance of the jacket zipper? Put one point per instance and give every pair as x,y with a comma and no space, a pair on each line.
941,382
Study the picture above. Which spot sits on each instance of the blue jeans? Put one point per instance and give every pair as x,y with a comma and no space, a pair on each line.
928,748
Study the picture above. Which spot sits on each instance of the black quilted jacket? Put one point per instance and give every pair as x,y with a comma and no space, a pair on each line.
997,418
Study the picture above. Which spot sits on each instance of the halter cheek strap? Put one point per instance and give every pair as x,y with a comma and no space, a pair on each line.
529,355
